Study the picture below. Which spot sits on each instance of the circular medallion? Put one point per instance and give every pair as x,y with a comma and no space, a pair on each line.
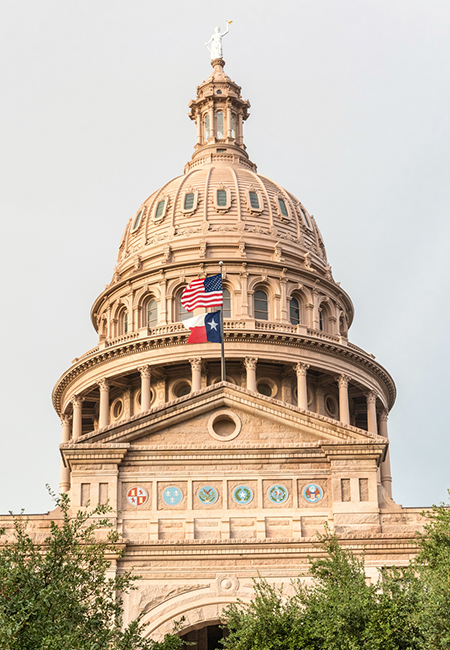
278,494
208,495
172,495
242,494
312,493
137,496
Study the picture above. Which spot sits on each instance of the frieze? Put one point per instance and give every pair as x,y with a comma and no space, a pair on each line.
333,349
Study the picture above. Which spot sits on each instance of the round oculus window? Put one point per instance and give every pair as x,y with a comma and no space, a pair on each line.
331,405
117,409
181,389
224,425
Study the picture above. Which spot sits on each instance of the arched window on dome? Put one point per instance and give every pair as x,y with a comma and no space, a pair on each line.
226,303
233,125
220,132
181,313
261,305
151,309
294,311
321,320
207,126
324,318
123,322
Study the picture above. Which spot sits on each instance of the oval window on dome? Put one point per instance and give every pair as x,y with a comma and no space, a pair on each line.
137,221
254,200
222,198
189,201
283,207
160,209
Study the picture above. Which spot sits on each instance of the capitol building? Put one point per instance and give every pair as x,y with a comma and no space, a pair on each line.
213,482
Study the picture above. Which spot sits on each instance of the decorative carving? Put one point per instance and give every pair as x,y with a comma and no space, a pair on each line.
306,263
103,384
343,381
65,419
137,266
145,371
242,252
167,253
301,369
250,363
371,397
384,415
278,252
202,247
196,363
77,401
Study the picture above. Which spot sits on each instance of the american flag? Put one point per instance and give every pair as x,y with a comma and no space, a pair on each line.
206,292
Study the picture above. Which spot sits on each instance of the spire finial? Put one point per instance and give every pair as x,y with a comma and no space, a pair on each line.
216,49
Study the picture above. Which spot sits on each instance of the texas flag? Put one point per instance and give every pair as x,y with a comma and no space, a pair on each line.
204,328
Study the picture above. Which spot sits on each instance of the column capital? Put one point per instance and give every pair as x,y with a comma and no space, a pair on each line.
196,363
371,397
343,381
77,401
145,371
250,363
384,413
301,369
65,419
103,384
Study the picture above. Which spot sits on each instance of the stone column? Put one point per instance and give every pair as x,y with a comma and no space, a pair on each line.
320,399
228,114
103,419
162,311
250,366
315,316
145,387
344,411
196,368
302,391
64,483
284,303
371,398
385,468
77,404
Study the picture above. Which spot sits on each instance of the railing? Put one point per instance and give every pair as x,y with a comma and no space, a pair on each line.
323,335
122,339
276,327
167,329
87,354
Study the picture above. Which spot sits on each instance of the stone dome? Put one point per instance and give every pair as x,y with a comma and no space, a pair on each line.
286,320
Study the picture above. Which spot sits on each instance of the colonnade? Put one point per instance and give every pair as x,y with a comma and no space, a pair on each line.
250,365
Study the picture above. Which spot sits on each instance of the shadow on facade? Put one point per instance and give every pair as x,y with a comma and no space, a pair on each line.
205,638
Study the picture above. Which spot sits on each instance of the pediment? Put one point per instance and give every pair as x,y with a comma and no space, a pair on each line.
262,421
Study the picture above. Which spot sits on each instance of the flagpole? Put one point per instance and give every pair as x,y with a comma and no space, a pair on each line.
222,333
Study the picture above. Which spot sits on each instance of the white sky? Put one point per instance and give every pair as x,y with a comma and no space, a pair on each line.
350,112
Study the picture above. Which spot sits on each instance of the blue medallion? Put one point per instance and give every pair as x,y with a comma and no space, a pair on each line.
242,494
312,493
172,496
278,494
208,495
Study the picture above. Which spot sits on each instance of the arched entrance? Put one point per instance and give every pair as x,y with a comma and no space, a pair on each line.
205,638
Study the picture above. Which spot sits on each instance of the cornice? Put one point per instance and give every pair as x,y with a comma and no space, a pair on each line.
332,349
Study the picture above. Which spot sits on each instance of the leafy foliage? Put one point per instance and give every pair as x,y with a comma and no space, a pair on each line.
57,594
339,611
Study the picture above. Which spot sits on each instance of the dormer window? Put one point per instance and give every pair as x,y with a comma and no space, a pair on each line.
207,126
283,207
222,198
233,125
160,210
220,129
189,201
137,221
254,200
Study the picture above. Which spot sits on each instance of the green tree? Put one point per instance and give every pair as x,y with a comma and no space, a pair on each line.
56,594
339,611
433,566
